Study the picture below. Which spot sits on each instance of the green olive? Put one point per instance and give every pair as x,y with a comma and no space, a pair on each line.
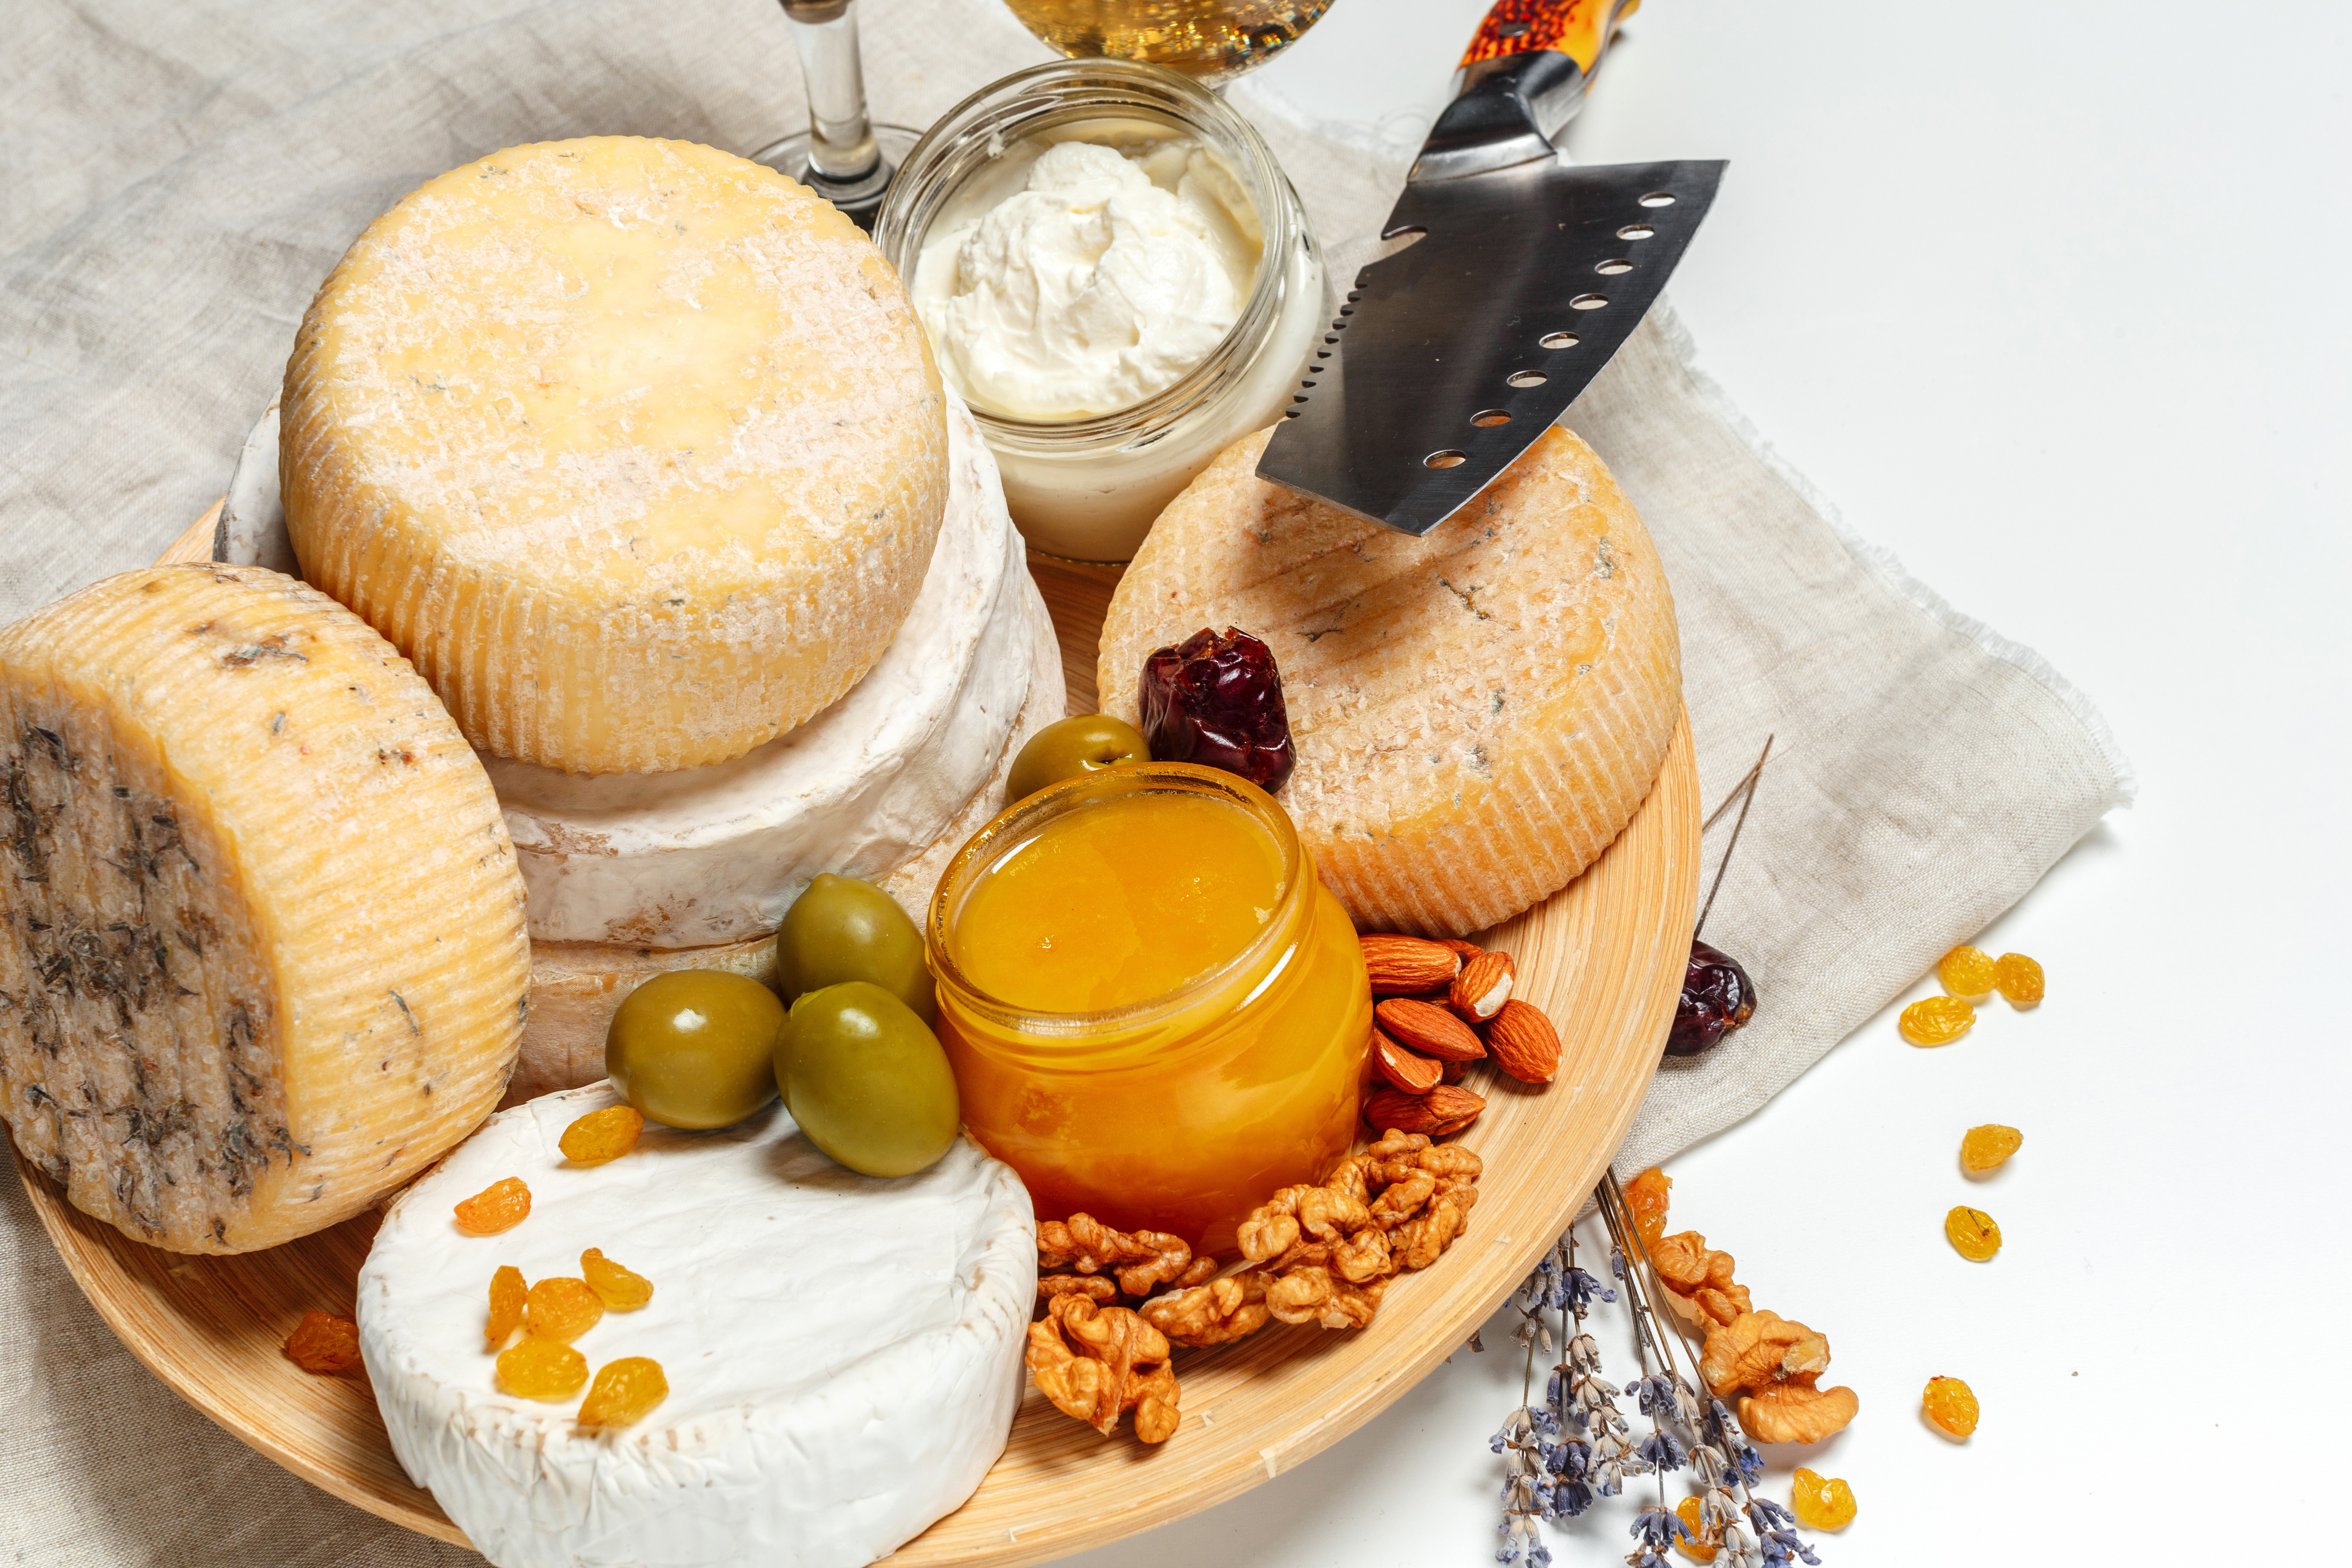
695,1048
868,1081
1068,747
842,929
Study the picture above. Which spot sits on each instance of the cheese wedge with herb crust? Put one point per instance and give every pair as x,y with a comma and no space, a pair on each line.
1475,713
634,446
263,957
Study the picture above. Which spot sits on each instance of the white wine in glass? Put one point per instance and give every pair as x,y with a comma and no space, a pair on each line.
1212,41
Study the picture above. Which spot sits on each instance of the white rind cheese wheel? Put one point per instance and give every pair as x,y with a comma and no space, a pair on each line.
716,854
264,957
575,986
1475,713
843,1354
636,448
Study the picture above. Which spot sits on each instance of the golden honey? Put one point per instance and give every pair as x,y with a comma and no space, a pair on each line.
1156,1013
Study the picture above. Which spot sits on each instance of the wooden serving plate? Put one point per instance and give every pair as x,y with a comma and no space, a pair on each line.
1604,956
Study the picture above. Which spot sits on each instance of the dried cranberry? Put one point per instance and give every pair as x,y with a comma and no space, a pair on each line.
1217,700
1717,998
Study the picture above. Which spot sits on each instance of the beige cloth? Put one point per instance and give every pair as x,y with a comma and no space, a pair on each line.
176,176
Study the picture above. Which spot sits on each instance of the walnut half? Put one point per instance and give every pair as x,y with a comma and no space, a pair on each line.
1797,1413
1141,1262
1096,1364
1212,1313
1757,1349
1775,1364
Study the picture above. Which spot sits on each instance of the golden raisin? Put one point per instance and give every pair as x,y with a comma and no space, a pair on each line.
1985,1148
623,1390
1967,972
324,1344
499,1206
1937,1020
541,1369
560,1310
618,1287
1822,1501
2019,980
506,1297
1701,1546
1951,1405
602,1135
1972,1234
1646,1195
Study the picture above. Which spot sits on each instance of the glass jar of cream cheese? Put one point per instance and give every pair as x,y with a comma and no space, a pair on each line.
1156,1012
1117,278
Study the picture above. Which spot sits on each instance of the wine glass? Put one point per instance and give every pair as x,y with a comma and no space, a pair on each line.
843,156
1212,41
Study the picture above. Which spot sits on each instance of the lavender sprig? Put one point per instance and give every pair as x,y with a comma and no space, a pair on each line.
1758,1535
1562,1455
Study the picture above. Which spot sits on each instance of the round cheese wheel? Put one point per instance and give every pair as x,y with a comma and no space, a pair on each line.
263,957
576,986
636,448
719,853
843,1355
1475,713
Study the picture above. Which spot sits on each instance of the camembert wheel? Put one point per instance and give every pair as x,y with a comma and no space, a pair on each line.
264,956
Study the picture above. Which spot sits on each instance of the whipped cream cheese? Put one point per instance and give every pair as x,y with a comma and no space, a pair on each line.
1081,276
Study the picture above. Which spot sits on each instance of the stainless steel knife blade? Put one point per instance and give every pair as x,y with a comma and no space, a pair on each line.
1451,356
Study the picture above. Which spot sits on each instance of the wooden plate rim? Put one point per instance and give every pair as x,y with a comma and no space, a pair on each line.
1129,1489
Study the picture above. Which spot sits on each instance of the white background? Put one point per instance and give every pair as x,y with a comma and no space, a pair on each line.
2053,302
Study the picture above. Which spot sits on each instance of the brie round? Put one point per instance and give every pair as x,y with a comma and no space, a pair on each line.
716,854
843,1354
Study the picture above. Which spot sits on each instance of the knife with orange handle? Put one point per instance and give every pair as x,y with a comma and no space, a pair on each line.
1523,276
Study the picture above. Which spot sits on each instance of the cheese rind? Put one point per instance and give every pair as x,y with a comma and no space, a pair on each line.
843,1354
264,955
716,854
576,986
1475,713
636,448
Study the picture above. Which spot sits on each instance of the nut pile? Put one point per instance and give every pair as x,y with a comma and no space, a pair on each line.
1113,1303
1442,1005
1772,1364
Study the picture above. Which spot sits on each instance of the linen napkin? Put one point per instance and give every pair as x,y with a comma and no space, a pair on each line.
177,175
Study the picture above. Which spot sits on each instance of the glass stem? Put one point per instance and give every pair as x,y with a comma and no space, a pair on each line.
841,149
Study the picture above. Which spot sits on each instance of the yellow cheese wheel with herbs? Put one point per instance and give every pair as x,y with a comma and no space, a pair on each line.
635,447
262,958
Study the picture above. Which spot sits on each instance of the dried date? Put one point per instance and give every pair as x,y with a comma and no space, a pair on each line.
1216,700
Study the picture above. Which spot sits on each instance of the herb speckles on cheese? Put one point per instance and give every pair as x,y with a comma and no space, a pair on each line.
203,927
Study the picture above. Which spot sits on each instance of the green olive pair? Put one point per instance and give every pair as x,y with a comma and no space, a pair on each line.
855,1058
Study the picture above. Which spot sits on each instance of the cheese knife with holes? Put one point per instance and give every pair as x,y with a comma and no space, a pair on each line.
1451,355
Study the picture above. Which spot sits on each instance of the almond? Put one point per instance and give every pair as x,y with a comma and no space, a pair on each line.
1468,950
1442,1110
1426,1028
1454,1072
1413,1074
1524,1043
1483,987
1408,965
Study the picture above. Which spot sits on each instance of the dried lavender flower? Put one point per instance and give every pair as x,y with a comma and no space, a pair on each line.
1661,1451
1579,1290
1657,1526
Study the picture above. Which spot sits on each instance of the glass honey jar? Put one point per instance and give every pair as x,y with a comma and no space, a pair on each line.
1156,1012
